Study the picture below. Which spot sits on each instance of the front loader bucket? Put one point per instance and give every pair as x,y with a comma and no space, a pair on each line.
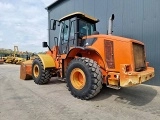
26,70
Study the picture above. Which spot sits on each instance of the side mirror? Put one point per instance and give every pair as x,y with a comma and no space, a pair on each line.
44,44
52,24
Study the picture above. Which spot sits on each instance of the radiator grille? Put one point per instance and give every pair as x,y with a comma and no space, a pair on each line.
139,57
108,45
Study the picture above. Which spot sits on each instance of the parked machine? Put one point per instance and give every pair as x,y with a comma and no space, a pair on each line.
11,57
16,57
23,56
86,59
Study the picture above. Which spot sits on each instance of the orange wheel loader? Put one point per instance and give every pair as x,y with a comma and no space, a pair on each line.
86,59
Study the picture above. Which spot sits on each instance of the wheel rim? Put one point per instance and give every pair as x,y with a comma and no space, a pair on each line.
36,70
78,78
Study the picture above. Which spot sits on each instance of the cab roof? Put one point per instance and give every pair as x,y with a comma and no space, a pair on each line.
80,15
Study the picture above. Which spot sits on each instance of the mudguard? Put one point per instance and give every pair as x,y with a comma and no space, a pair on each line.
47,61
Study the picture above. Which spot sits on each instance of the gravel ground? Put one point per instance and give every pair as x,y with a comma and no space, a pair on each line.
24,100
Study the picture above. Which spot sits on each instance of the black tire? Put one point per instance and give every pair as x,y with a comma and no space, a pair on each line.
93,75
40,75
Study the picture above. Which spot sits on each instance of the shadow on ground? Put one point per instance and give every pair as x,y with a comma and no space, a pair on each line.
139,95
136,96
55,80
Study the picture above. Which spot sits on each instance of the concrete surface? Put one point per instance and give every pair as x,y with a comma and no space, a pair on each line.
24,100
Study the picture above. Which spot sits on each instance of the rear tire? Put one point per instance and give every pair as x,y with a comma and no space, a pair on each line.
84,78
40,75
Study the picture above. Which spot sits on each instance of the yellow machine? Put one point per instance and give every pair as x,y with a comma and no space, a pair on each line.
21,58
86,59
16,57
4,58
11,58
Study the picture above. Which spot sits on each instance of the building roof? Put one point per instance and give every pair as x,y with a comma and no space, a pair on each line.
81,15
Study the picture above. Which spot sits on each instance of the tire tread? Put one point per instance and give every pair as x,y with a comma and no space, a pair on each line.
96,77
46,75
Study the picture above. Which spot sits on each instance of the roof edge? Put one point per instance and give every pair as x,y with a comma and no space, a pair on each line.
54,4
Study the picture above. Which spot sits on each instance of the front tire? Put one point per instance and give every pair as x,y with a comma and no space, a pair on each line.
40,75
84,78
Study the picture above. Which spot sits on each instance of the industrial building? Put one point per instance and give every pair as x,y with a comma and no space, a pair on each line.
137,19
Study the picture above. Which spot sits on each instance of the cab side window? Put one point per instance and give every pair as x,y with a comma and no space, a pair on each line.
82,28
85,28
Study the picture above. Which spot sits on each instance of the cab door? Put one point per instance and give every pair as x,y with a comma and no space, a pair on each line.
67,36
63,37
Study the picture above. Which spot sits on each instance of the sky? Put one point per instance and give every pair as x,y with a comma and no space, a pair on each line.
23,23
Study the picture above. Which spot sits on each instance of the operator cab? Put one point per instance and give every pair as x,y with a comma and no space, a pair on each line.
73,28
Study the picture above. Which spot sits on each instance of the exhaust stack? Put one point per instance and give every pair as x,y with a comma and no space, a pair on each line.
110,25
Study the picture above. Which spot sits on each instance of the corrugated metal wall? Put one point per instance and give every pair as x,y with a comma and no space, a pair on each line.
137,19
